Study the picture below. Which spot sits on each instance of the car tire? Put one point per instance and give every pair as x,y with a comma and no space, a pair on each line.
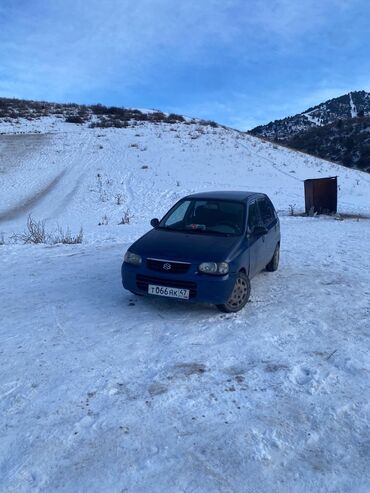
273,265
239,296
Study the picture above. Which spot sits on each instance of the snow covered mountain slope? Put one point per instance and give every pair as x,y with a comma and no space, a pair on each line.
77,176
352,105
337,130
103,391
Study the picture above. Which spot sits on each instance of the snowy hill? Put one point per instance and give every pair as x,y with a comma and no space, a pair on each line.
76,176
338,130
104,391
18,111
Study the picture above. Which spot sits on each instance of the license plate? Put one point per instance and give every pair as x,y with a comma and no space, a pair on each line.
169,292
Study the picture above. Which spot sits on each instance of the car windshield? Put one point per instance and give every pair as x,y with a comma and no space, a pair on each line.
224,217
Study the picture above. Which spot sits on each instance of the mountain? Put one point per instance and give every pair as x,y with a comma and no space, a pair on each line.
337,130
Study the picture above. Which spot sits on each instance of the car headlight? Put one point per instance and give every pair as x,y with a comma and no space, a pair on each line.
220,268
132,258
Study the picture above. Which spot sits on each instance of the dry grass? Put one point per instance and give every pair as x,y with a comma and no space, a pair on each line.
36,233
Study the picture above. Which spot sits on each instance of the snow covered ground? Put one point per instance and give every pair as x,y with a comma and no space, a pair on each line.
104,391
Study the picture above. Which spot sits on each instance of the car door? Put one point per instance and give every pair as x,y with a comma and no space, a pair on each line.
255,239
270,221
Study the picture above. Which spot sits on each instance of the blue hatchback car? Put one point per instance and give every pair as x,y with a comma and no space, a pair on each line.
206,249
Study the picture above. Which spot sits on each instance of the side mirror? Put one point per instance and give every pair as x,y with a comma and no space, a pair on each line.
259,230
154,222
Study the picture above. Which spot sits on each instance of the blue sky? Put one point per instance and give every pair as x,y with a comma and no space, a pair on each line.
239,62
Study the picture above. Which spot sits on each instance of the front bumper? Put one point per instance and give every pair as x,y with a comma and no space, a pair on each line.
203,288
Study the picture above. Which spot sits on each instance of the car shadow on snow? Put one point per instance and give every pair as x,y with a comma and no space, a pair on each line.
102,286
98,283
169,306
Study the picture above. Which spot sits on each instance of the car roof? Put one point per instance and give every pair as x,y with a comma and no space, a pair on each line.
224,195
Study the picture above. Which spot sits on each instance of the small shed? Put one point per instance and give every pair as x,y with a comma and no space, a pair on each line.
321,195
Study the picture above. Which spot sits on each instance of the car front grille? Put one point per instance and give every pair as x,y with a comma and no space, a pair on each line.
142,283
168,266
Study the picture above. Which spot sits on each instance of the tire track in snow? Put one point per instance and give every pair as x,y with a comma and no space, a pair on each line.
15,148
67,199
48,191
25,205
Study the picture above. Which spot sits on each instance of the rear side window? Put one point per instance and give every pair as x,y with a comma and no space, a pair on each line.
267,211
253,216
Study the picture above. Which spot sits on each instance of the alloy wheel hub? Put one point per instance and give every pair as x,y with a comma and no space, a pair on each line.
239,293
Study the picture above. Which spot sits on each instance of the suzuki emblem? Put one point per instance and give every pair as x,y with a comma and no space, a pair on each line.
167,266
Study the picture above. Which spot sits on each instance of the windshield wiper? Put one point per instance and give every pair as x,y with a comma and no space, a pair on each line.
196,231
207,232
168,228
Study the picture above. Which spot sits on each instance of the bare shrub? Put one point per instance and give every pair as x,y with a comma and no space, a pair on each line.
101,190
174,118
36,234
209,123
292,209
66,237
126,218
118,198
103,196
75,119
2,239
200,130
99,182
103,221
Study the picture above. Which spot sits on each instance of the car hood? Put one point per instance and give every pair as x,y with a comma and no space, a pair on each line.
172,245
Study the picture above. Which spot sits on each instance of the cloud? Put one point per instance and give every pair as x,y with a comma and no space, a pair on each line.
229,60
91,43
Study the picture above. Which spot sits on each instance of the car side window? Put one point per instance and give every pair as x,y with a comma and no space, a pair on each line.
253,216
267,211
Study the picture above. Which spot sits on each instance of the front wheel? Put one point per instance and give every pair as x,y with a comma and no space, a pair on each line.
273,265
240,295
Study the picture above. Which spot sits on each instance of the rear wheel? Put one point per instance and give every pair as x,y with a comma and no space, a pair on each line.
274,262
239,296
